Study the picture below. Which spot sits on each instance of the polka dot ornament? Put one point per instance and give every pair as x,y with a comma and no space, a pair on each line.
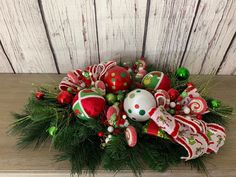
137,104
88,104
117,79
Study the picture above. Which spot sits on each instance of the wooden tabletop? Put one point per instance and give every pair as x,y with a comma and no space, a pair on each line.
14,91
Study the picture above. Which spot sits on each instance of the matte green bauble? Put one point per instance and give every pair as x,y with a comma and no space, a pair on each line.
111,98
215,104
182,73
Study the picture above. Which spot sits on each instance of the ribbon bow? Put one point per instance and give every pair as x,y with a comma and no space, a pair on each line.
196,136
77,79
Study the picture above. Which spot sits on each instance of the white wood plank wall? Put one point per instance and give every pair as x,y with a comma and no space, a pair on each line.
55,36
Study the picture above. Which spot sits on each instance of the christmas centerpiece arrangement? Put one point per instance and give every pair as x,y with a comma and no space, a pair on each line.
125,116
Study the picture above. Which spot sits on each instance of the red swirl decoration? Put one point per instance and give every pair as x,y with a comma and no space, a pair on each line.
198,105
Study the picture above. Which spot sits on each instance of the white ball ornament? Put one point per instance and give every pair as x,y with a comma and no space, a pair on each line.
137,104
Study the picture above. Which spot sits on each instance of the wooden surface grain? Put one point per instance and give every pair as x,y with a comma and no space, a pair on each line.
215,23
14,91
55,36
229,63
72,31
120,27
23,37
5,66
168,25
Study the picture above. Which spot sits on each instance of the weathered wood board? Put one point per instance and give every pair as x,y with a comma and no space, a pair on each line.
23,36
120,28
72,31
229,63
56,36
5,66
213,29
169,24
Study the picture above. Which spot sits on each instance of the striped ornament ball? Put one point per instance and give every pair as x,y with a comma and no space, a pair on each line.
88,104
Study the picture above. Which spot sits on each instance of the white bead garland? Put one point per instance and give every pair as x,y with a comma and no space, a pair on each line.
172,104
186,110
110,129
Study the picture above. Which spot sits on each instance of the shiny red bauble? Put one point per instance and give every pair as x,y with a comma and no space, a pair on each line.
100,134
190,85
39,95
64,97
173,93
117,79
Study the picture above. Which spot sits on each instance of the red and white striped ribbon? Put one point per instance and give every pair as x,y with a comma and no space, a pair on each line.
75,79
196,136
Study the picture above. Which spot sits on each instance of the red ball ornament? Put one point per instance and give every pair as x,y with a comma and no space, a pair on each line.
173,93
117,79
64,97
39,95
100,134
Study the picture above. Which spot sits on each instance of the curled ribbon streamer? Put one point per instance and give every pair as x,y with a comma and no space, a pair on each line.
162,98
97,71
196,136
74,79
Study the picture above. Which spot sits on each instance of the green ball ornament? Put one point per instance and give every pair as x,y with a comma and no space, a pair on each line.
215,104
111,98
52,130
182,73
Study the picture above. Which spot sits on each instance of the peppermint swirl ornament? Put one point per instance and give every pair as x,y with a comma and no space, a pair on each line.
131,136
198,105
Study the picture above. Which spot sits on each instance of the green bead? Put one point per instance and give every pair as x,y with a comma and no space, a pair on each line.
85,74
215,104
182,73
52,130
69,89
111,98
184,94
171,111
120,97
